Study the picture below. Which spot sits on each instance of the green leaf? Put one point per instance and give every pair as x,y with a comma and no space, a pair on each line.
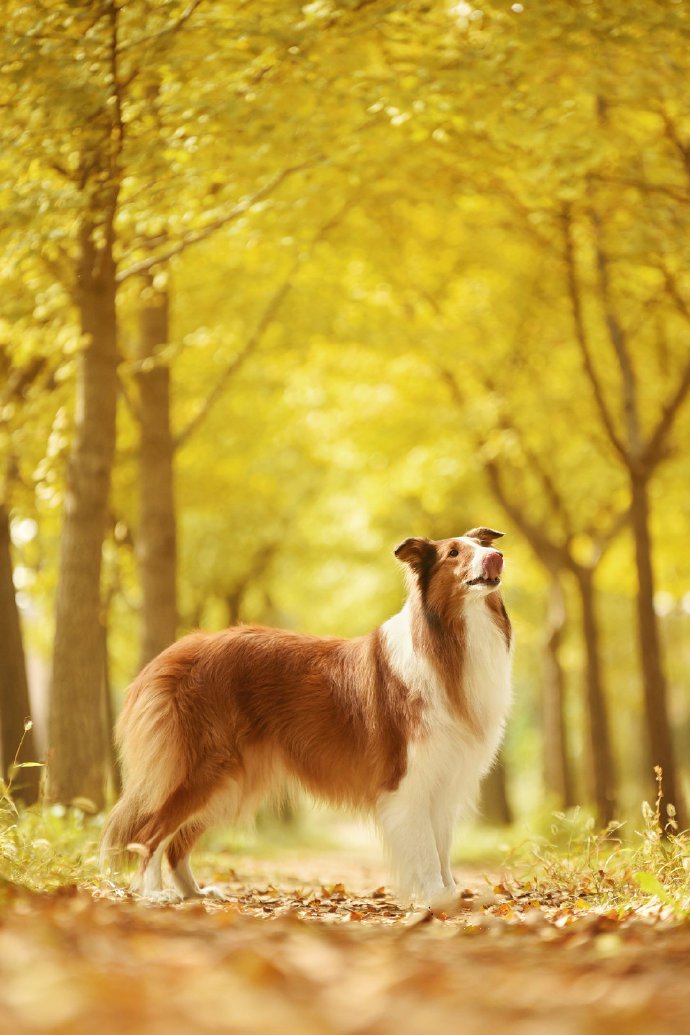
651,885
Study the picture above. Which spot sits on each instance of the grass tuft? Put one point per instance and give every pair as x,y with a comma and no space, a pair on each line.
572,866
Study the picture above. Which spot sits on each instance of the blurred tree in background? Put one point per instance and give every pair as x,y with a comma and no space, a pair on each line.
284,283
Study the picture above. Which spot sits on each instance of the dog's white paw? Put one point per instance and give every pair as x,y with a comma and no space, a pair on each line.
449,902
162,896
215,892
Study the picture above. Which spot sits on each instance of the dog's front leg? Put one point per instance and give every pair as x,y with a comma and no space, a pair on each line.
443,810
408,835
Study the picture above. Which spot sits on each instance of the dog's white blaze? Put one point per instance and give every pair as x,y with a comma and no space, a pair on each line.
444,768
477,569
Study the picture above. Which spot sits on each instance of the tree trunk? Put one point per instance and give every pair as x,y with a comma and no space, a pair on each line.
494,795
77,728
14,692
156,537
654,682
558,780
112,760
603,771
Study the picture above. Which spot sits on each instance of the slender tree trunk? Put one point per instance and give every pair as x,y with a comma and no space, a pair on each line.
233,603
77,732
112,760
603,771
654,682
157,534
558,780
14,692
494,795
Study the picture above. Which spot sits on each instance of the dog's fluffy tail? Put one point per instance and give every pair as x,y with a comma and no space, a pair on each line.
120,829
151,743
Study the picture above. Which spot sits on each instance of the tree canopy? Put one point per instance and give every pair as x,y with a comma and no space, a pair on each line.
424,267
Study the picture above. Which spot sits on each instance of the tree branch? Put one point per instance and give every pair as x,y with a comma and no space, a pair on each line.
118,137
558,552
581,333
672,134
238,360
534,461
19,379
168,30
668,190
674,292
257,334
602,541
555,554
654,450
618,339
201,233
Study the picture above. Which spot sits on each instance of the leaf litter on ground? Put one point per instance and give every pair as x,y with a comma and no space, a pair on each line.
579,936
291,952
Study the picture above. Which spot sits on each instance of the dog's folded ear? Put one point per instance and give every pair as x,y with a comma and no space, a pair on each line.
484,536
419,553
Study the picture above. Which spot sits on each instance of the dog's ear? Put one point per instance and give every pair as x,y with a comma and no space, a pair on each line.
419,553
484,536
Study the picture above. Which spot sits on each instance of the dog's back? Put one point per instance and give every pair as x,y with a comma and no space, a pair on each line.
232,714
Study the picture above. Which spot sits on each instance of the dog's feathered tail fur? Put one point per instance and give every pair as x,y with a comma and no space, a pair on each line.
151,741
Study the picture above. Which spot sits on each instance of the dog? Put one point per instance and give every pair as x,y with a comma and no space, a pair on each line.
401,723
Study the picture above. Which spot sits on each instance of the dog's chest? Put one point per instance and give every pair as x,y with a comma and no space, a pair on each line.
484,676
486,671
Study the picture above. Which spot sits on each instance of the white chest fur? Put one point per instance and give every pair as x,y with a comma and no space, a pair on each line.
486,673
486,670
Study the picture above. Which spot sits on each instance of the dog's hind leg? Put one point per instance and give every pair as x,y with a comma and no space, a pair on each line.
178,853
151,879
160,828
231,800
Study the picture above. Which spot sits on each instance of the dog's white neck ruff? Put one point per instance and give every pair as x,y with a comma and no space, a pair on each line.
486,673
486,669
412,667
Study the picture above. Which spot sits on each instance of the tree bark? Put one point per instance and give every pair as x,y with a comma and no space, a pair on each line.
14,691
77,728
157,534
558,780
494,795
655,690
112,760
603,770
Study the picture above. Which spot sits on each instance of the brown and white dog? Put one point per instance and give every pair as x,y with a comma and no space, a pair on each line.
402,722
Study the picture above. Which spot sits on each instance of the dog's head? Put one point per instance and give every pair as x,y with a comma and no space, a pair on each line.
450,571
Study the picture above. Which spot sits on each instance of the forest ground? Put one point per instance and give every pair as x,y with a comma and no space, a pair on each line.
312,942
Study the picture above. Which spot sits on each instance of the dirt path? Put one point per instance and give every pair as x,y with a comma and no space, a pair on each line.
313,946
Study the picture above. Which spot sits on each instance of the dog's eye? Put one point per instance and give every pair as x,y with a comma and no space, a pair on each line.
453,552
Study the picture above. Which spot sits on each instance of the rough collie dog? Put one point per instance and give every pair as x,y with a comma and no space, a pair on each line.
402,722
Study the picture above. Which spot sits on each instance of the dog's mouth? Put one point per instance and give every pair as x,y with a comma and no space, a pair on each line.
484,581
